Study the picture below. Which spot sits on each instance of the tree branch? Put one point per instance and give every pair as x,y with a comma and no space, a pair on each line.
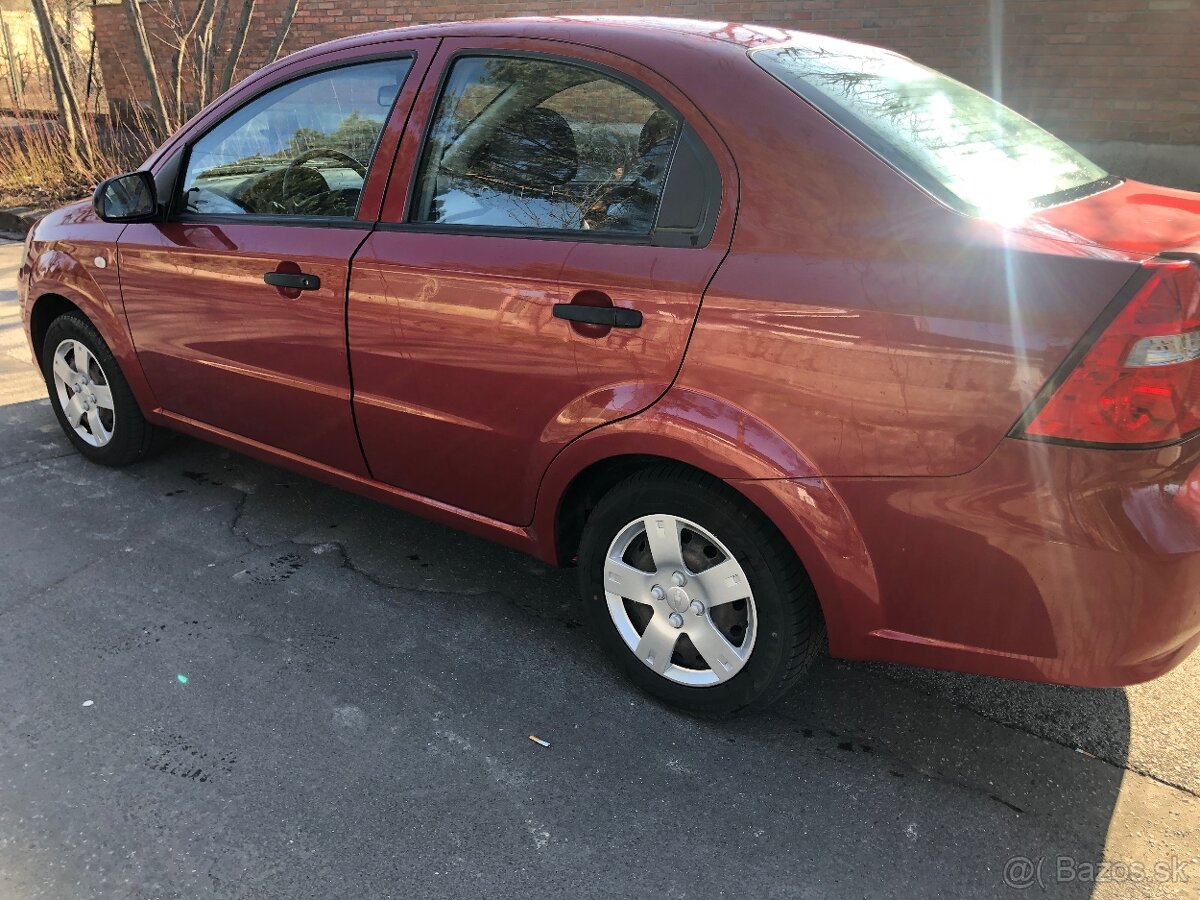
239,43
285,25
158,109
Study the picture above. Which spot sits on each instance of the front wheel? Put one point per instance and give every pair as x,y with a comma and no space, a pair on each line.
695,596
92,400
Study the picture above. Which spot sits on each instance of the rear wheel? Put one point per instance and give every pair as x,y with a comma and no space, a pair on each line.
92,400
694,595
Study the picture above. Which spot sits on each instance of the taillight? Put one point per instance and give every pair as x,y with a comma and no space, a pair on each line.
1139,382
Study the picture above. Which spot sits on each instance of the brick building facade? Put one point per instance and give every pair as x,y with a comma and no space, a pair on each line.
1121,78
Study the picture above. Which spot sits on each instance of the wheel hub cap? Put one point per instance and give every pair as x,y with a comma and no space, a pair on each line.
680,600
90,415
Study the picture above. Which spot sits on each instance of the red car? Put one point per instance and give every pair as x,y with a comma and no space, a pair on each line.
773,335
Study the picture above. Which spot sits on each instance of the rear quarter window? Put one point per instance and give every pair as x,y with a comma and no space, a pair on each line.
973,153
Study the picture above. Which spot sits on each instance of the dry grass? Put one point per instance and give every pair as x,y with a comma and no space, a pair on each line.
38,167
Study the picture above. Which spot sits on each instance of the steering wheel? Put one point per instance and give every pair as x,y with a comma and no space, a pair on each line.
318,153
328,153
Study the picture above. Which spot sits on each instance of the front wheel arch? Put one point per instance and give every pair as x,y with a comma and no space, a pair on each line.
46,309
127,436
58,298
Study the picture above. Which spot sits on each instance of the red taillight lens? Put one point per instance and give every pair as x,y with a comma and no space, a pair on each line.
1139,383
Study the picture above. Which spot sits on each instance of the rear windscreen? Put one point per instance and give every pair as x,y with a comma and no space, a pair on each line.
972,152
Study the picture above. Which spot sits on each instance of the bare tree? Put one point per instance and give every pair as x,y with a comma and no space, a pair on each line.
285,25
70,111
16,80
187,38
200,67
206,48
239,44
158,107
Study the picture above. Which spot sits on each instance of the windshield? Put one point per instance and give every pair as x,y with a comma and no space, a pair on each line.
974,153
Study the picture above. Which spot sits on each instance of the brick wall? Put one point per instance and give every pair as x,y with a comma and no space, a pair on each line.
1089,70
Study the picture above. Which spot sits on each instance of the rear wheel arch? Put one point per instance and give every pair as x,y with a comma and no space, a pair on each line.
781,627
588,486
808,514
701,432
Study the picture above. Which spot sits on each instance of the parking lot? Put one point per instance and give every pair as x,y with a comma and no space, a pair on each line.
219,679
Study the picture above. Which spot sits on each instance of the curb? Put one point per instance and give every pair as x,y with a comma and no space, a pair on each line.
17,220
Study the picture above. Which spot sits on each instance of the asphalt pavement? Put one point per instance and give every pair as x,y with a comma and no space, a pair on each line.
220,679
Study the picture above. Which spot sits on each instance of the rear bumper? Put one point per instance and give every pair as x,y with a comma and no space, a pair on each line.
1046,563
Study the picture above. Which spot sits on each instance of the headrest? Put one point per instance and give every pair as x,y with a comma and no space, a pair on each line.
534,149
659,129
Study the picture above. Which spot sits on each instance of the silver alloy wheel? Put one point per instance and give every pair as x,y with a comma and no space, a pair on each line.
680,600
84,393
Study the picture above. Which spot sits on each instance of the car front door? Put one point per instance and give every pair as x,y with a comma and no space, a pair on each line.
553,219
236,302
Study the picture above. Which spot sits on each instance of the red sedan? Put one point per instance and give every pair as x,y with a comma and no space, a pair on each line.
775,336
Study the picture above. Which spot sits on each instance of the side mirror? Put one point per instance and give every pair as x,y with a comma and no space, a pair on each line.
126,198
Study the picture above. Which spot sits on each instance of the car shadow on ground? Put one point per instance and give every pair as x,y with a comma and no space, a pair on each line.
358,688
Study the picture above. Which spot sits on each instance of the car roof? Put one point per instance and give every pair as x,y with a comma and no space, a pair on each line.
581,29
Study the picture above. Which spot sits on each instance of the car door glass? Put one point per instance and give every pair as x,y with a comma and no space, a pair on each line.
301,149
530,143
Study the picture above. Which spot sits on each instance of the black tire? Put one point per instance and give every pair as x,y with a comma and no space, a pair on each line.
790,630
133,438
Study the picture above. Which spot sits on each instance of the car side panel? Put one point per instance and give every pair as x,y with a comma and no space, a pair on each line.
910,359
878,330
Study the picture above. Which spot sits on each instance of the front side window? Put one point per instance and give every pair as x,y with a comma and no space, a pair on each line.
302,149
976,153
530,143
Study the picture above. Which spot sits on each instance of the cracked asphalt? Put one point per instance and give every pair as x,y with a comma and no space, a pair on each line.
219,679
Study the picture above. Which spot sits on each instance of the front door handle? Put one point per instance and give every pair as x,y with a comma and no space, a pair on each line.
296,281
613,316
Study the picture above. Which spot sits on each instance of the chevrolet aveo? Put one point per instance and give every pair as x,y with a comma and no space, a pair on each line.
780,339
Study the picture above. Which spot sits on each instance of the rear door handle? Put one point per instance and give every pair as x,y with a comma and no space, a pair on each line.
614,316
297,281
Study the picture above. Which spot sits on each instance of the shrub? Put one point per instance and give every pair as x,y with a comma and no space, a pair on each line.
40,166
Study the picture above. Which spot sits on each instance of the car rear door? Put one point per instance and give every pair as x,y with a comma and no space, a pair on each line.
553,218
236,302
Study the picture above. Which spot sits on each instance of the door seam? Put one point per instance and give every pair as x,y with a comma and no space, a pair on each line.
387,184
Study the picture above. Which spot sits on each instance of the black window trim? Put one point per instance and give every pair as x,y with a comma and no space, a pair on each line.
698,237
173,208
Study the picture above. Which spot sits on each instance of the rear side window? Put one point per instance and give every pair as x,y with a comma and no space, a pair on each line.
301,149
974,153
539,144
